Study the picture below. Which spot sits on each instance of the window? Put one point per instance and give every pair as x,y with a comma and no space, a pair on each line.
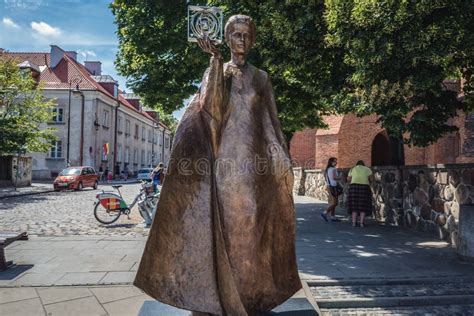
58,115
136,131
167,142
143,133
105,119
155,137
149,158
127,128
150,137
119,124
119,153
143,158
135,156
127,154
56,150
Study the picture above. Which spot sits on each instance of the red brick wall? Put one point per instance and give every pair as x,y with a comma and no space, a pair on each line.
302,148
326,147
355,140
349,138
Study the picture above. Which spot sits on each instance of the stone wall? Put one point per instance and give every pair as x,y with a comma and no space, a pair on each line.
15,171
425,198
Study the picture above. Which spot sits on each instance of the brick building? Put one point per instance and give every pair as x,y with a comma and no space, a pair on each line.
350,138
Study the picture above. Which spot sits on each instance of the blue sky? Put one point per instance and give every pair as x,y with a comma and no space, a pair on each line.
86,27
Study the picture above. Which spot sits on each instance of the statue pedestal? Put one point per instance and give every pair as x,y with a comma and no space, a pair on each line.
298,305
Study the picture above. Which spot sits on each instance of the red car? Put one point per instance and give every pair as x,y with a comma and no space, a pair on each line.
76,178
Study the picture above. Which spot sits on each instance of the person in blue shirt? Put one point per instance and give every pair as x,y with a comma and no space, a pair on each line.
156,175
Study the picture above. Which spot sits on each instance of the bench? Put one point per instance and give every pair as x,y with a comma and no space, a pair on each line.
7,238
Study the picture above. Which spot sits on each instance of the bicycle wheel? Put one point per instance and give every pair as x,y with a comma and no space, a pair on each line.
106,216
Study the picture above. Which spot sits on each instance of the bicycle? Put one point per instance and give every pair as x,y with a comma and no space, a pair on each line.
110,205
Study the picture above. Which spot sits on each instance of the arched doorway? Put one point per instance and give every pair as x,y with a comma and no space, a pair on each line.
387,151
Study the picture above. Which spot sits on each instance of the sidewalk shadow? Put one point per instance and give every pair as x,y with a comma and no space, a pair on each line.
10,202
120,225
335,251
12,272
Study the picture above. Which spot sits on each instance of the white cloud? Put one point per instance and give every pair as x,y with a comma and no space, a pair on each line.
9,23
24,4
46,30
86,53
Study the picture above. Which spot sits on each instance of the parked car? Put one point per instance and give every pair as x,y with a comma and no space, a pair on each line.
76,178
144,174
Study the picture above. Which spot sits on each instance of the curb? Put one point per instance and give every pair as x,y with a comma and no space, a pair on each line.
25,194
349,282
396,301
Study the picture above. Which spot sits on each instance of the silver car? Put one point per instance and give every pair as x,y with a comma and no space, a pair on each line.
144,174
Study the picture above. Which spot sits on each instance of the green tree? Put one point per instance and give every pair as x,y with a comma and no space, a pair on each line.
166,69
399,54
369,57
168,119
23,110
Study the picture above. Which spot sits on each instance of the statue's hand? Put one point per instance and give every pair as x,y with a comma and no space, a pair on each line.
209,47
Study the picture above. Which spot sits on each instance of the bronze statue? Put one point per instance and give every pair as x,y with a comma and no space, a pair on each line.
223,238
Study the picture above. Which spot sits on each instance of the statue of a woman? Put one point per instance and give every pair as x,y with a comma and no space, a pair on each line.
223,239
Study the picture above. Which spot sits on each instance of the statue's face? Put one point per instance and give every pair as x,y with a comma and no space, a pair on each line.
240,39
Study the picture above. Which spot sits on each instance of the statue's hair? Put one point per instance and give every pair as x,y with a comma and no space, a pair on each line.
244,19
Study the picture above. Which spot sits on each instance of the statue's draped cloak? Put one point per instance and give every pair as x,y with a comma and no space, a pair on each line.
223,238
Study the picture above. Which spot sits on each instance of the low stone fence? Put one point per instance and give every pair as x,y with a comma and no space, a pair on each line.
426,198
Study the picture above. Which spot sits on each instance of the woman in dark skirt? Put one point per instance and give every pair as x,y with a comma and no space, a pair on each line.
360,193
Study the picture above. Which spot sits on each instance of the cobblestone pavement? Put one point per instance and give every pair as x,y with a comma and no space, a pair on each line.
409,290
459,310
67,213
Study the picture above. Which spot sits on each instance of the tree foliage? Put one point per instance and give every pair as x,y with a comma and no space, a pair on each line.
384,57
399,53
166,69
169,120
23,109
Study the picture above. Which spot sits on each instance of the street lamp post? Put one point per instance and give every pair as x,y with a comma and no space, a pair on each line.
68,125
152,144
77,81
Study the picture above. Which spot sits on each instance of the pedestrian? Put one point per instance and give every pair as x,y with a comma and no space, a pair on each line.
334,190
117,171
360,193
106,174
101,173
110,176
125,172
156,175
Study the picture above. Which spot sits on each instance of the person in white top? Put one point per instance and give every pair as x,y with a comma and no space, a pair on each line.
331,178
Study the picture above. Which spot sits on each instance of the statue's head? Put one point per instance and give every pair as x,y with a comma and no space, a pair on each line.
240,33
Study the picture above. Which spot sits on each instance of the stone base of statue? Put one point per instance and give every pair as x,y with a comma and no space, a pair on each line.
298,305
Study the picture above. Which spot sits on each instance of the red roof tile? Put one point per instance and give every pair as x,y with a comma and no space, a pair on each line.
69,70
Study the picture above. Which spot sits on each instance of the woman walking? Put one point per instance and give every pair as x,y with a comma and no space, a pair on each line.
334,190
156,175
360,194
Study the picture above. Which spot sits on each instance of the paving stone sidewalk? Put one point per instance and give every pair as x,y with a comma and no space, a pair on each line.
448,287
325,253
68,213
79,260
94,300
458,310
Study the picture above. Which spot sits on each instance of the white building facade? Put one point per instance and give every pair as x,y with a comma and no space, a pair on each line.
97,125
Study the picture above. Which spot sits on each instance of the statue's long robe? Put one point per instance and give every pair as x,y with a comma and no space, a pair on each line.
223,238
